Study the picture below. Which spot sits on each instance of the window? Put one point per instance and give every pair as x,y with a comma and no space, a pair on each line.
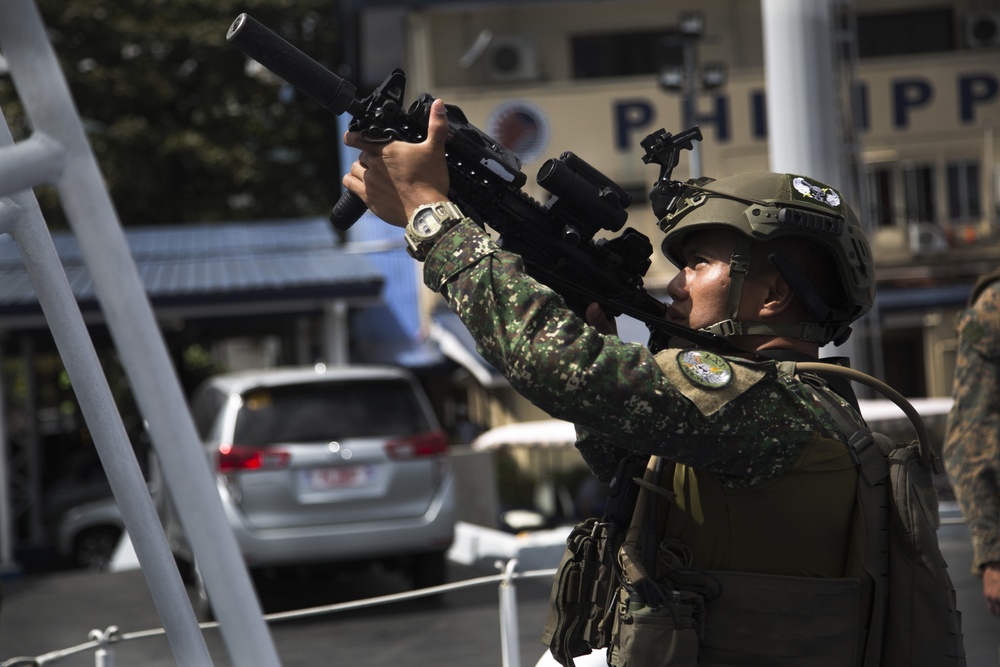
901,194
900,33
881,195
624,53
903,359
206,406
964,203
918,185
321,412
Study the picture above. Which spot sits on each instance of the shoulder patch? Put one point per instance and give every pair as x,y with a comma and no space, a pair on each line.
705,369
709,380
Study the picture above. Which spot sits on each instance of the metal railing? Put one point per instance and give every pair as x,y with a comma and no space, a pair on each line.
102,642
58,154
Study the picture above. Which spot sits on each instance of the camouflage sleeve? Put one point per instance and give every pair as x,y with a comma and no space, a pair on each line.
724,415
599,455
972,444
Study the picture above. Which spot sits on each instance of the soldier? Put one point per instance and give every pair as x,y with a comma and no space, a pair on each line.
775,264
972,444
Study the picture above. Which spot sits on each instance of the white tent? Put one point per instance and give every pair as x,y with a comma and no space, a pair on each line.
542,433
558,433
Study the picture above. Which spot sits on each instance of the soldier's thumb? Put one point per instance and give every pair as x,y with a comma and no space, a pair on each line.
437,125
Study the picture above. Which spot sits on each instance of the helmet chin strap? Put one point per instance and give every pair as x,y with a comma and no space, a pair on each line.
739,265
808,331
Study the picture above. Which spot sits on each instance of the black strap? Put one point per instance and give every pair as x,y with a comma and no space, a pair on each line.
873,499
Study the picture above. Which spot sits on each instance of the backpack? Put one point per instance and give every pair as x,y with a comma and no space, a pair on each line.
915,620
907,604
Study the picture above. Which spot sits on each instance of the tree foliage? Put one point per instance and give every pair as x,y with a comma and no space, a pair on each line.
182,126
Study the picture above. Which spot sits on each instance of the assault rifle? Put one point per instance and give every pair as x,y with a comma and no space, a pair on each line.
555,239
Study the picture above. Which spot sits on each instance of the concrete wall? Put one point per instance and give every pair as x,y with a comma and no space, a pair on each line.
476,486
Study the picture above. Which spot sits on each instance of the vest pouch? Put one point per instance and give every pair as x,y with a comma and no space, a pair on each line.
782,621
579,617
647,637
923,623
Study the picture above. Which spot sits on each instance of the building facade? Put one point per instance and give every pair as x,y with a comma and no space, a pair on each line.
919,85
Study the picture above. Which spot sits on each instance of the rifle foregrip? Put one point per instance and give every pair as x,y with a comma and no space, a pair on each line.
302,72
348,209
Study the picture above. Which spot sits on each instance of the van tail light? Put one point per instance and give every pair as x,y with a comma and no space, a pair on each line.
234,458
432,443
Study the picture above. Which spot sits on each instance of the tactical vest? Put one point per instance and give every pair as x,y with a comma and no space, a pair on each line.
808,513
883,598
774,592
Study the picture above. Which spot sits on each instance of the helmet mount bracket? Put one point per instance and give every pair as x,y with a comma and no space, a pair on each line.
664,149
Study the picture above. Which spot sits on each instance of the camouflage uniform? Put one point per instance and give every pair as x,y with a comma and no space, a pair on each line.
619,396
972,446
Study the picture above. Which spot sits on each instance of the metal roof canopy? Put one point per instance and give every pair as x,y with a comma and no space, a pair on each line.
209,270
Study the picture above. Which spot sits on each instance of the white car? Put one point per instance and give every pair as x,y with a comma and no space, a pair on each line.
88,534
326,466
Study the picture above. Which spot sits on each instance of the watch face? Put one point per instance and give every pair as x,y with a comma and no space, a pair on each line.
424,223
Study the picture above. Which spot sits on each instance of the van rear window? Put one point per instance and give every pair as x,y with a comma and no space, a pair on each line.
321,412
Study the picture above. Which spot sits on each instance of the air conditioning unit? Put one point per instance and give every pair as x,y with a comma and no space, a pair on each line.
511,59
982,29
927,238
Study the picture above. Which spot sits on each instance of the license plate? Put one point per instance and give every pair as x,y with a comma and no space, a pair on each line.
340,477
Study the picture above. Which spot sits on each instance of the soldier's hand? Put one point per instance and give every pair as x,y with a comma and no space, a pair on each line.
395,178
597,318
991,587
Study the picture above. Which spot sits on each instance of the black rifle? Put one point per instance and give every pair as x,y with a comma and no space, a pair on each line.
555,240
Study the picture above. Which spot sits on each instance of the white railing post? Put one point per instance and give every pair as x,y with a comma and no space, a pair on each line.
510,639
104,656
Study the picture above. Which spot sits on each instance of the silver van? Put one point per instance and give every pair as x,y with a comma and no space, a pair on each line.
326,465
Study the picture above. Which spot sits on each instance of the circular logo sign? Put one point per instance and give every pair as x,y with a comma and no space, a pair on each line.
705,369
521,128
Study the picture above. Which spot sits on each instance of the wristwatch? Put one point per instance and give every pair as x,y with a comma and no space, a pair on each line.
427,224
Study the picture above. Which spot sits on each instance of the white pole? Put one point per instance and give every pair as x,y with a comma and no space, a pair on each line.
510,640
689,100
802,101
7,563
802,106
45,95
21,218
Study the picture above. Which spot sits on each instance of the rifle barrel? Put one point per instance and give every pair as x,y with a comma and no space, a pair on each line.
302,72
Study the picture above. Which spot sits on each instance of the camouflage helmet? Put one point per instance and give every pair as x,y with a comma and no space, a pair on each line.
762,206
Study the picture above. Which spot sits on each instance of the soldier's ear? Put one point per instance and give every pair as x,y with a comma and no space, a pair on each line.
778,297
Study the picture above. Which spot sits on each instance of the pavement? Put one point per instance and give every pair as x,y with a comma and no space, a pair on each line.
43,613
981,629
46,612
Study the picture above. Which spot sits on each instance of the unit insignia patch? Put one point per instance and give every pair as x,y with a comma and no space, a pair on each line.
705,369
